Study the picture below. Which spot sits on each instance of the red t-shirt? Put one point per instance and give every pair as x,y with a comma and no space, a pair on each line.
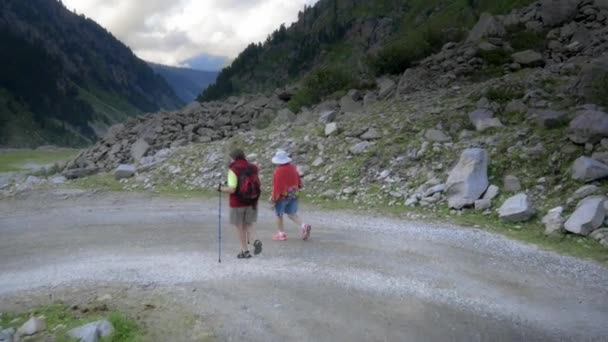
286,180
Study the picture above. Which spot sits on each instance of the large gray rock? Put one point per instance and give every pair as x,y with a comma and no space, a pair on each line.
328,116
348,105
124,171
556,12
435,135
491,193
511,184
528,58
359,148
587,169
33,326
285,116
7,335
550,118
371,134
139,149
553,221
517,209
484,119
584,191
331,129
588,216
92,332
387,87
469,178
589,126
487,26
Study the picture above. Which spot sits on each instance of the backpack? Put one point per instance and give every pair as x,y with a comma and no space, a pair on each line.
249,188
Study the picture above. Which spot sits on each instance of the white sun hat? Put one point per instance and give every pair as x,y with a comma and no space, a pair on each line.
280,158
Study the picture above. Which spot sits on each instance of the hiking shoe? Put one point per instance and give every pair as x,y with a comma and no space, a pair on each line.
244,255
279,236
257,245
306,231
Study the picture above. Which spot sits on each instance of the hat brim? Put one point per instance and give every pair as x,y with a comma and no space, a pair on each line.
281,161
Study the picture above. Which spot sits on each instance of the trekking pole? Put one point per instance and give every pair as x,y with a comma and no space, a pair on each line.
219,227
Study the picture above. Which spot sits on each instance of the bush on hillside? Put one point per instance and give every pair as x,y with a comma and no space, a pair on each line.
318,85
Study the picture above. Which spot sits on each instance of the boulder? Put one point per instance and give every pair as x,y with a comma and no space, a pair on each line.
469,178
483,204
556,12
588,216
588,126
317,162
124,171
386,87
92,332
435,135
491,193
511,184
517,209
484,119
369,99
553,221
439,188
371,134
550,118
139,149
587,169
588,85
487,26
81,172
331,129
328,116
584,191
348,105
7,335
528,58
58,180
33,326
355,95
285,116
359,148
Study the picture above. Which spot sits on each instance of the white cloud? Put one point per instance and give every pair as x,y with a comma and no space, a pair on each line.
171,32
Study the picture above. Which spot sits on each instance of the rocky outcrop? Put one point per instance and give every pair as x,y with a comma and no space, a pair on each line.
588,126
469,178
199,123
487,27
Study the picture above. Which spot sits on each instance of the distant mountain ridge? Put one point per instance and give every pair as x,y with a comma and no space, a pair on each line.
187,83
64,79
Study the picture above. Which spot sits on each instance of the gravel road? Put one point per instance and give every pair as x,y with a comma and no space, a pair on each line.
358,278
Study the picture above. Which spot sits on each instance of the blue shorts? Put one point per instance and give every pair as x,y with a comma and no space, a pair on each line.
289,207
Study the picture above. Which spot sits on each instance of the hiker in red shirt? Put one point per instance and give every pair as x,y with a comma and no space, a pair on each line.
244,189
286,185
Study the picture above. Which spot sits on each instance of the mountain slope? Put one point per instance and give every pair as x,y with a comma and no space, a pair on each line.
65,79
186,83
349,35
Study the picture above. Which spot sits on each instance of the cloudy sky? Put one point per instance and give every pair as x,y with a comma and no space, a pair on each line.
189,32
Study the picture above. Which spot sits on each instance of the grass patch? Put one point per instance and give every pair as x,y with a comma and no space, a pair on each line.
505,93
104,182
15,161
60,319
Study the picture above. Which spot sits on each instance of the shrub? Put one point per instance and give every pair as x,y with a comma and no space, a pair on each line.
318,85
496,57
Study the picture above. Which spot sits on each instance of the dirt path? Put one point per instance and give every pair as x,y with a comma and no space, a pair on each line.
358,279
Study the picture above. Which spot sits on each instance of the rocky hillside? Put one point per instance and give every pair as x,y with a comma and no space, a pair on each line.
488,127
357,37
186,83
64,79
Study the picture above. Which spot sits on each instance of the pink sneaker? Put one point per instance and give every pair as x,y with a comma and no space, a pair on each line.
306,228
278,236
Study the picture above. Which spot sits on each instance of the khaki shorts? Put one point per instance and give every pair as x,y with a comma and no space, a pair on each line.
243,216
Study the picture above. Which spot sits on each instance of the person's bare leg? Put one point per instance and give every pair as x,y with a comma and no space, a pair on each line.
280,224
242,237
252,234
296,219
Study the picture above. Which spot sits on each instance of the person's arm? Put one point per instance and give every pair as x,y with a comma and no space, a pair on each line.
230,187
273,196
